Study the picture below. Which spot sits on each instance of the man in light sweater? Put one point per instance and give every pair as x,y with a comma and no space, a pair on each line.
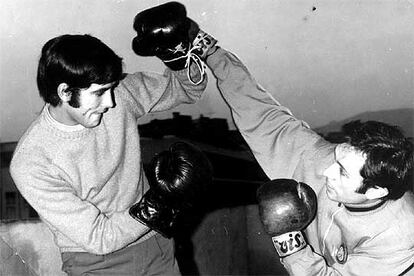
79,163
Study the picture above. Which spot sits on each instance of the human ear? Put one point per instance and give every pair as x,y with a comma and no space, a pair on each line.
63,92
376,192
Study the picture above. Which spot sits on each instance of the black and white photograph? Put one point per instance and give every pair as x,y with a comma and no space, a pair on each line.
206,137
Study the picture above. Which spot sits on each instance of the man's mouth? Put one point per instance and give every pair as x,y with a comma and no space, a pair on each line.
99,112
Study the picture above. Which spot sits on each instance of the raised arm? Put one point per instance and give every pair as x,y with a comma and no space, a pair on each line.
149,92
278,140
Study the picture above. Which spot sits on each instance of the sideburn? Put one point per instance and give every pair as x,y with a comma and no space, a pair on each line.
74,98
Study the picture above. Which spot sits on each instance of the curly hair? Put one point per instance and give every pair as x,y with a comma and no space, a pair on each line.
389,162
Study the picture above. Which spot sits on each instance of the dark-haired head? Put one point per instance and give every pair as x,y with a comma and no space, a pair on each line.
78,61
389,156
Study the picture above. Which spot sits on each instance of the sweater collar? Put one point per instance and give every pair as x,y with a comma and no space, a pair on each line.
58,125
59,129
366,208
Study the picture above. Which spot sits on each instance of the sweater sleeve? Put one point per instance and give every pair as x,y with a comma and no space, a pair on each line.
307,263
278,140
152,92
59,206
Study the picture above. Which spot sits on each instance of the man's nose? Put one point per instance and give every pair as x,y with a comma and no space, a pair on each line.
329,172
108,101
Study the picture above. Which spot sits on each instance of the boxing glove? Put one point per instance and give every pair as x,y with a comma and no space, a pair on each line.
166,32
178,178
152,211
285,208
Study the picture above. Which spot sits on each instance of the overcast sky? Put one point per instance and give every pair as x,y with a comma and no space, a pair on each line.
326,60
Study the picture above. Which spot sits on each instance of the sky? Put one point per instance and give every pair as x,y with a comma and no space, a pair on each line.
326,60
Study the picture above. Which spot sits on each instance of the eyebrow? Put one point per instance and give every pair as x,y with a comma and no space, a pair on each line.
100,90
339,163
342,166
103,89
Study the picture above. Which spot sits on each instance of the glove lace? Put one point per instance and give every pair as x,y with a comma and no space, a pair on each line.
191,56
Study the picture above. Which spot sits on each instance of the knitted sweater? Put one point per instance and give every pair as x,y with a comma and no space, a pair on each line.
82,181
342,242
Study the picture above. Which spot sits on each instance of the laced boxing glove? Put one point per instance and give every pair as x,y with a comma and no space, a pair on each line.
166,32
285,208
178,178
152,211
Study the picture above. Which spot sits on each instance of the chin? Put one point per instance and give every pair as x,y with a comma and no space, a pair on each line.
93,125
90,124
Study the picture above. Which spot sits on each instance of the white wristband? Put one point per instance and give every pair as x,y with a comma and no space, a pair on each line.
289,243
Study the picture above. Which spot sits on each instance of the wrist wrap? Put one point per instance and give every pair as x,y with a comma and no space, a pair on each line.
289,243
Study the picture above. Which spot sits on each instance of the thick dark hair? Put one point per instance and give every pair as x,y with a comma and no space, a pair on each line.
180,174
78,61
389,162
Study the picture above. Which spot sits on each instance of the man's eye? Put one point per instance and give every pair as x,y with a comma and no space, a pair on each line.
100,92
342,171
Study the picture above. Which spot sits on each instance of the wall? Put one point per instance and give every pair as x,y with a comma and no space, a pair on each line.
12,204
27,248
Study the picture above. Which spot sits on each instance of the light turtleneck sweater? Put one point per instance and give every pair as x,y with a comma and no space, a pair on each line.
58,125
82,181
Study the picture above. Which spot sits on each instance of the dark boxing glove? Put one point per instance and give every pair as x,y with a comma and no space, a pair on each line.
152,211
285,208
165,31
178,177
